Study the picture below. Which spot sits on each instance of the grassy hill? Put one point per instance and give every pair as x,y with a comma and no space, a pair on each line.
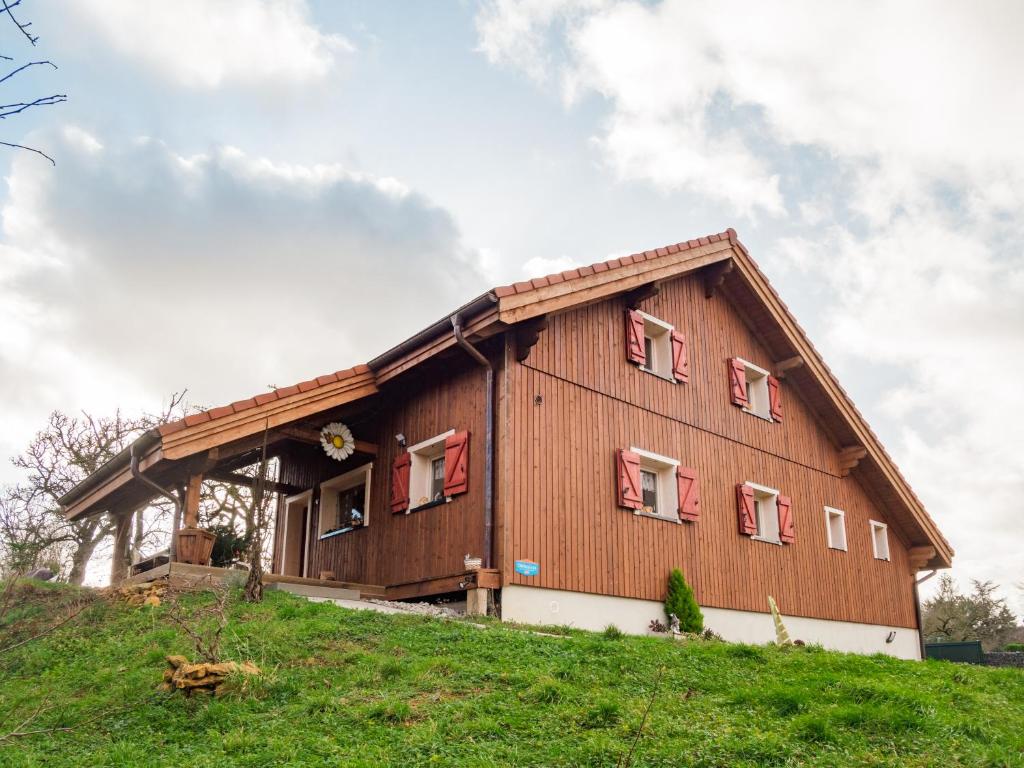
364,689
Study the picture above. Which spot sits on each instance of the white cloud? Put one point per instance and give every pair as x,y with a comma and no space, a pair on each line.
208,45
136,271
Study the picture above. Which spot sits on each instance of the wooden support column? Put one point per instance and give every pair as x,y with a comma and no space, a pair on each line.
192,493
119,558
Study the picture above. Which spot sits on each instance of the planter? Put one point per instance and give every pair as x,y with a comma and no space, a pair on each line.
194,546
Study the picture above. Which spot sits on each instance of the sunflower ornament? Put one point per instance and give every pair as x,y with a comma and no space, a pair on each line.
337,441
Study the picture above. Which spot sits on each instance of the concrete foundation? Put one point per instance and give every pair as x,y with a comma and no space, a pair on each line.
534,605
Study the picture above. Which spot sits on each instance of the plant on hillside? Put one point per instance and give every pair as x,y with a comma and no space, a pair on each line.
681,602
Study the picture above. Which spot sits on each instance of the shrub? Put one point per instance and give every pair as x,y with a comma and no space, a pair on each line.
229,547
1019,647
681,602
656,626
611,632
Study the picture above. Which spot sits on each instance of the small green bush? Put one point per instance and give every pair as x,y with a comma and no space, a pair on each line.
611,632
1019,647
682,603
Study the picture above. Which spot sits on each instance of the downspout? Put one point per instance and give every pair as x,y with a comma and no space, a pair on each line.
488,440
163,492
917,609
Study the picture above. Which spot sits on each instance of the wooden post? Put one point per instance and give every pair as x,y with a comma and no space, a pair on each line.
119,557
195,486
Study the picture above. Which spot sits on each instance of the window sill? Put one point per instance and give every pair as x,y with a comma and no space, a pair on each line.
663,518
837,549
340,531
428,505
757,415
766,541
661,376
883,559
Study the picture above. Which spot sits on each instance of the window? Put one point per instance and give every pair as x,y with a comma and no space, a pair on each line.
657,346
658,485
756,383
835,527
426,475
344,502
880,540
766,512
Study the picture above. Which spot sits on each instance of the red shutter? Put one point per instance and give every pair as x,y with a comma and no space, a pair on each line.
628,472
456,464
775,398
745,508
400,482
636,352
689,493
786,533
680,363
738,382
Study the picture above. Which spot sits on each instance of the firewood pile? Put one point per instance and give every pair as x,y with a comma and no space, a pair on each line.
203,677
150,593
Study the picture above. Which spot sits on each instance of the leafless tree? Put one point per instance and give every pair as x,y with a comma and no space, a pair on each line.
7,11
980,615
59,457
257,524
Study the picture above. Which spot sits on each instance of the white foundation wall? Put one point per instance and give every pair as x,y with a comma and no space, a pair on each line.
534,605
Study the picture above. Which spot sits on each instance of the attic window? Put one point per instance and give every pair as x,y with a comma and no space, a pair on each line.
657,346
835,528
755,390
880,540
653,345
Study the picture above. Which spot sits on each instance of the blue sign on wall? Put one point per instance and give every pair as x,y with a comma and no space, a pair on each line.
527,568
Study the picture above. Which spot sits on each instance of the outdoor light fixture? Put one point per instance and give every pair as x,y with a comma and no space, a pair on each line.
401,439
890,637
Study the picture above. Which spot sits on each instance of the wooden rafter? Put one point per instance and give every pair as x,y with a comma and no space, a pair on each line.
714,276
527,334
783,366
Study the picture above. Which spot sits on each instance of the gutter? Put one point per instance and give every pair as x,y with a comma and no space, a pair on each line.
114,466
159,489
456,321
480,303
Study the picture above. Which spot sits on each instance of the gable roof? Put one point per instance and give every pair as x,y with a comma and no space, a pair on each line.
503,307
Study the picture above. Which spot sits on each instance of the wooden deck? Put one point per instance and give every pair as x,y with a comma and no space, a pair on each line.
187,572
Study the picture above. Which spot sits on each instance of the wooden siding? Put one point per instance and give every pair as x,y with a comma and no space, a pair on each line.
558,474
396,549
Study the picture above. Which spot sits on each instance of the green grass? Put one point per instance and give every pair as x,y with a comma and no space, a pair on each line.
364,689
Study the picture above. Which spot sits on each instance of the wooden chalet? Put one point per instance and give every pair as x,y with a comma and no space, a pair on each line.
555,447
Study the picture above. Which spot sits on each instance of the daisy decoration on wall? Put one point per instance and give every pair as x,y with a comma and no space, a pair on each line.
337,441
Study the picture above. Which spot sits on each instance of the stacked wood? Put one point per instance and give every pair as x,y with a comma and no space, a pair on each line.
204,677
150,593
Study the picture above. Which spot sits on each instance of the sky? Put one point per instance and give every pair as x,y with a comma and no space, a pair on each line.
241,185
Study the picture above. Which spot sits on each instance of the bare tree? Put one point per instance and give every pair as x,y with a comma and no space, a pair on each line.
256,524
59,457
7,8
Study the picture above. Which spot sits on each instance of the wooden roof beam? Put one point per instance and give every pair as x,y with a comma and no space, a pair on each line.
527,335
790,363
714,276
644,292
850,457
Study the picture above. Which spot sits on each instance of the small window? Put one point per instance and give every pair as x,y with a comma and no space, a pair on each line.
344,502
766,508
426,473
880,540
658,484
835,527
758,402
657,346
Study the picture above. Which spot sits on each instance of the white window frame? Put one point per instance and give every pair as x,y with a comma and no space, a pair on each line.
668,490
756,382
361,475
421,456
763,493
876,528
830,513
660,334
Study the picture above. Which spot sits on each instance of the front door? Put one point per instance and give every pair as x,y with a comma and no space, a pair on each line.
295,535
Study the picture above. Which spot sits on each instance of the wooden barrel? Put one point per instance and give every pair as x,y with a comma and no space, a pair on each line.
194,546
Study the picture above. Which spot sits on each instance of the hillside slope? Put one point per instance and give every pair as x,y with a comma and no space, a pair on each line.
358,688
